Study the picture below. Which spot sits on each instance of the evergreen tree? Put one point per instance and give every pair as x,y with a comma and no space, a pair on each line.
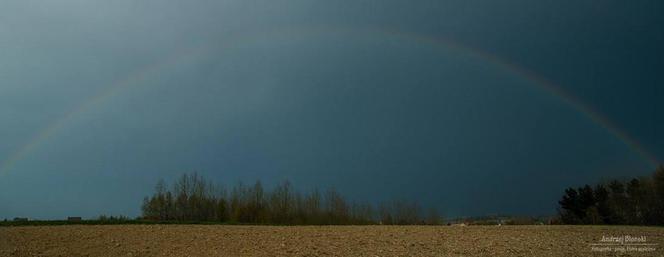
603,206
571,211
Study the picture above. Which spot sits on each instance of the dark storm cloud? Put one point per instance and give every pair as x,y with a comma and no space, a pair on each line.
304,91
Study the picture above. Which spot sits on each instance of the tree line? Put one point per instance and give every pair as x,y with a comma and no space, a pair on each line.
193,198
639,201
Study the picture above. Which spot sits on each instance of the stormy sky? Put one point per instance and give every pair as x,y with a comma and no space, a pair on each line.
457,104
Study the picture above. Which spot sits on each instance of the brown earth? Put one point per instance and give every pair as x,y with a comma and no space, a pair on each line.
219,240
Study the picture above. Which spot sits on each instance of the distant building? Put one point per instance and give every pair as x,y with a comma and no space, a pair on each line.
20,219
74,219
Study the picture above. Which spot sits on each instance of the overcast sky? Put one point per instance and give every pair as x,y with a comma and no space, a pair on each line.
439,101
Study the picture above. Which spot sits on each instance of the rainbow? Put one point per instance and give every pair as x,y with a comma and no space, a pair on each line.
538,81
153,69
116,88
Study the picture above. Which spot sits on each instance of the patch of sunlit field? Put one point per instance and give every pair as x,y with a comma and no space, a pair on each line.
229,240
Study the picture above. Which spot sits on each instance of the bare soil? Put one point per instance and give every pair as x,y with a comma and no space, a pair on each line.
221,240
